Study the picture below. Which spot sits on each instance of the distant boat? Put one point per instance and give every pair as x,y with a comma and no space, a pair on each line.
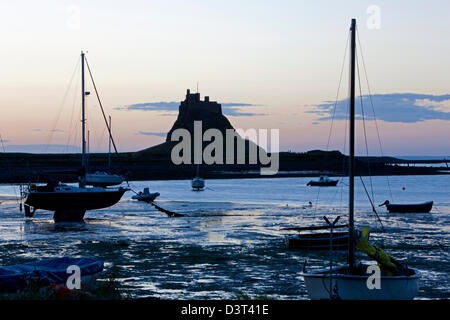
317,241
349,282
46,272
198,184
70,203
424,207
103,179
323,181
146,196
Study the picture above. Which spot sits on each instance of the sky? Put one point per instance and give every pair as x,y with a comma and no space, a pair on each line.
272,65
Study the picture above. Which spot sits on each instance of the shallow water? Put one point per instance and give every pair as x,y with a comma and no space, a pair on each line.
230,243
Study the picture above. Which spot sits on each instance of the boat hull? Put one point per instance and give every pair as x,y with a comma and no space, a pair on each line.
317,241
88,200
354,287
330,183
410,208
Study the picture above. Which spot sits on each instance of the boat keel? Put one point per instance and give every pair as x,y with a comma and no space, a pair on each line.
69,215
29,211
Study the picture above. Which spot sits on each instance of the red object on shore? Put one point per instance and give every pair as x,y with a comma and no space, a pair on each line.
62,292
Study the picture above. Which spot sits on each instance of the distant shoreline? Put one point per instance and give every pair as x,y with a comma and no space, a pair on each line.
138,166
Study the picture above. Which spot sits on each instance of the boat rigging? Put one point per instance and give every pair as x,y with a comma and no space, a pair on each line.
70,203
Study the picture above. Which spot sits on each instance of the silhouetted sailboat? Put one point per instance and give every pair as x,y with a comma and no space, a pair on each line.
70,203
350,282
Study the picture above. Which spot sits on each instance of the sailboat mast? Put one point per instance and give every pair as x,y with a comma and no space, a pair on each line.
83,127
109,145
351,173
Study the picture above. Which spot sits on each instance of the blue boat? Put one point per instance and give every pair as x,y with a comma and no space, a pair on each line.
46,272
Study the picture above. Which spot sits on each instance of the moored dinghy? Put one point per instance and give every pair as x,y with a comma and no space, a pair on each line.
424,207
318,240
323,181
353,286
146,195
397,282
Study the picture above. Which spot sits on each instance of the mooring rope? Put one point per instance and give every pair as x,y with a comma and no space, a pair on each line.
169,213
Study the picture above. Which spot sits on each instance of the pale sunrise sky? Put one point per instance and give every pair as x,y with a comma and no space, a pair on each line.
273,64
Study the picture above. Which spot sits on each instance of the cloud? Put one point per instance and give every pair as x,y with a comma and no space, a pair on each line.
152,106
52,130
229,109
394,107
158,134
443,105
235,110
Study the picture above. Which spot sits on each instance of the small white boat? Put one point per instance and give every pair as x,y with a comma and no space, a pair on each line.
198,184
103,179
146,196
354,286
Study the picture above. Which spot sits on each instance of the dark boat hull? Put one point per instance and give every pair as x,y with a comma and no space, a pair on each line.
317,241
55,201
330,183
410,208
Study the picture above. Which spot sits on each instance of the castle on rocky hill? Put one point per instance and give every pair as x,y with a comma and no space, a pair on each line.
193,109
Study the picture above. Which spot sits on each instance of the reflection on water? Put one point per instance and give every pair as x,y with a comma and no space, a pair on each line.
231,241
